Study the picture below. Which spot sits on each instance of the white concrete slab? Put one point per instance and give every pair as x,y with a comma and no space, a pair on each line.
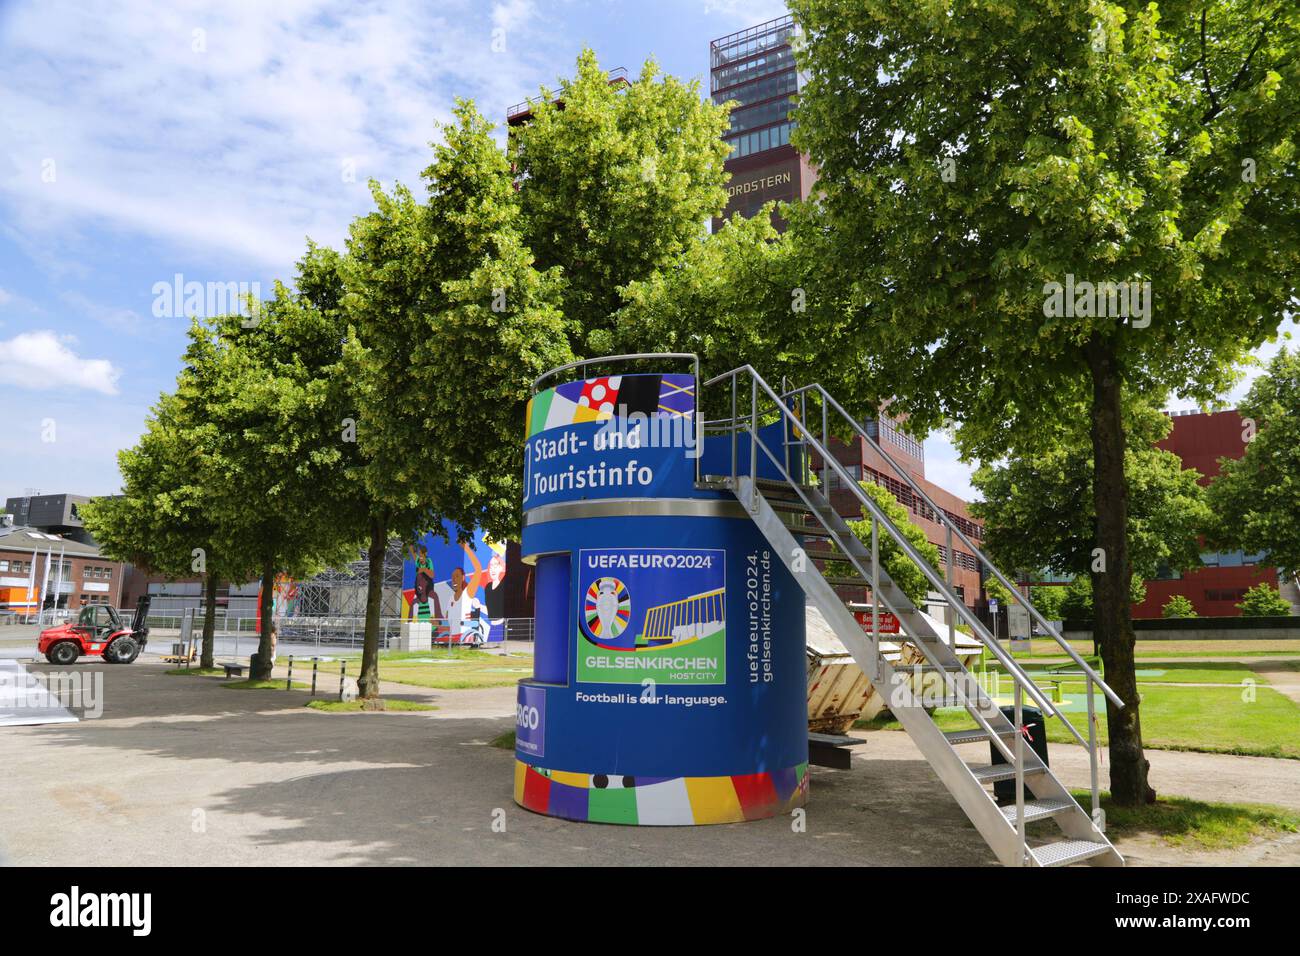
24,700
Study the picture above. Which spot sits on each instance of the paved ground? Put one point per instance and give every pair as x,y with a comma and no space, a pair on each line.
180,771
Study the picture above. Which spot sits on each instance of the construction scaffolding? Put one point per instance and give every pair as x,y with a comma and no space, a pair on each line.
335,599
335,594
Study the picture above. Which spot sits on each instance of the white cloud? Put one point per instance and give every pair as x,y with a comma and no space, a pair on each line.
512,13
226,128
113,317
43,360
6,297
78,454
747,13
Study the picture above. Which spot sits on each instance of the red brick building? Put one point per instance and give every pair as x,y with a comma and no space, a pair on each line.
1200,439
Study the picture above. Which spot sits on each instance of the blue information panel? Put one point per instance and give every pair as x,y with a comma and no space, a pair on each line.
656,613
615,437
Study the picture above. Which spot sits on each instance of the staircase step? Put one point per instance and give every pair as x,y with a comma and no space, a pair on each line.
1003,771
819,555
1037,810
808,530
950,702
775,491
850,582
1069,851
790,507
974,734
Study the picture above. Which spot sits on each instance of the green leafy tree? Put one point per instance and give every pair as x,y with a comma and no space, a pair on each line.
1077,602
737,297
162,521
1039,509
910,578
451,323
274,429
1048,600
994,590
1263,600
1256,498
980,163
1178,606
616,184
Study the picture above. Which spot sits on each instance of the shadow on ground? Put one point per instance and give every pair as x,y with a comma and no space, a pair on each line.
182,771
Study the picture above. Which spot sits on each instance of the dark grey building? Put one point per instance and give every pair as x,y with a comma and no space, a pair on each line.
755,70
53,514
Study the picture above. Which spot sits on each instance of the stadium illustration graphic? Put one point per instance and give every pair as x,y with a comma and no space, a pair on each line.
608,610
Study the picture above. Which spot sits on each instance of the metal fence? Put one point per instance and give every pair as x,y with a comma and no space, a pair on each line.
339,632
321,631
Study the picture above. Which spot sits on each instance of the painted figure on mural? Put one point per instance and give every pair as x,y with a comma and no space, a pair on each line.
494,591
467,621
423,583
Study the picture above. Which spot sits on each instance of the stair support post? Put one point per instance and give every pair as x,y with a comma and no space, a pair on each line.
1098,818
1020,774
952,611
875,599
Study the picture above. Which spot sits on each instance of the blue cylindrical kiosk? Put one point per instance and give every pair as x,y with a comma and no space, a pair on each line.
670,679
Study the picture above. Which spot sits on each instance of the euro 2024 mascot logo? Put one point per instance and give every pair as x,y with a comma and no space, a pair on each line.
608,610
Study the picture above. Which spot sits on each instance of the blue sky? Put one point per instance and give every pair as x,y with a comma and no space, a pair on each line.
209,140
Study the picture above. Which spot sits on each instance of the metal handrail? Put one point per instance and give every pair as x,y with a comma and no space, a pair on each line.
952,526
631,357
1013,668
1015,756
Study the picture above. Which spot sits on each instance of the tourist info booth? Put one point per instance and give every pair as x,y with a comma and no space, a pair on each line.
669,684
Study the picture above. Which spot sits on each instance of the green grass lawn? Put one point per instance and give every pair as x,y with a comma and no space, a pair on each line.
1202,719
1044,647
1197,672
1171,672
196,672
356,706
460,668
504,742
1179,821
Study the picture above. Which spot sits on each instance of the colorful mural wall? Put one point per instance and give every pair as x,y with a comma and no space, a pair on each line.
459,587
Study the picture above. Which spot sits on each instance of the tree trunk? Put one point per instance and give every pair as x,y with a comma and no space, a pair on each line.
1112,616
264,659
368,681
209,621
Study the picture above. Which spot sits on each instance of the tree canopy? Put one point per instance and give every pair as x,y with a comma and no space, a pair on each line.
1256,498
1051,204
616,184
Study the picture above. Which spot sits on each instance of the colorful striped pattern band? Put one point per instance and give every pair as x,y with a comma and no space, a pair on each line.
660,801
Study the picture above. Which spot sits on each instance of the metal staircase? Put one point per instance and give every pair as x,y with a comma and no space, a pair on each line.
793,514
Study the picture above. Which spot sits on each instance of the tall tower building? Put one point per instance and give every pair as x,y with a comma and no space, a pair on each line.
755,70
